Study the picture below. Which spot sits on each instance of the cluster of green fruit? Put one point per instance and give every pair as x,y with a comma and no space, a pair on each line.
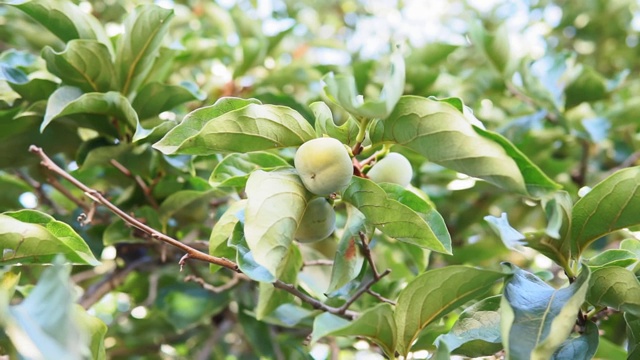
325,167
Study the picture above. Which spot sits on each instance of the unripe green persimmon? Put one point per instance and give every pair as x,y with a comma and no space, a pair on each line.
393,168
324,166
318,221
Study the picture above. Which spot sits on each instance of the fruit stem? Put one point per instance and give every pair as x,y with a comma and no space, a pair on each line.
363,123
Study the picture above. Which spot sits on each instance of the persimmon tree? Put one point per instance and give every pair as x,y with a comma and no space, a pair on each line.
181,182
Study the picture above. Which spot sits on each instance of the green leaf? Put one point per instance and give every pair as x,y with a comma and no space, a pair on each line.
275,203
511,237
633,335
435,293
69,101
349,259
494,45
588,86
12,187
342,90
65,20
269,298
612,204
410,222
442,353
144,30
538,183
245,259
83,63
234,169
610,351
32,237
221,232
235,125
31,90
325,125
615,287
537,318
375,324
94,327
154,98
612,257
579,346
477,326
47,325
431,127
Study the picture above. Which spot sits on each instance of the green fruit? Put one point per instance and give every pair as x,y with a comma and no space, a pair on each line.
393,168
317,223
324,166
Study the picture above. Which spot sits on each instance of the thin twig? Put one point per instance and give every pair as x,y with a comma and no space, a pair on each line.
40,193
216,289
64,191
580,177
380,297
361,291
99,198
367,255
313,302
553,118
145,189
110,282
318,262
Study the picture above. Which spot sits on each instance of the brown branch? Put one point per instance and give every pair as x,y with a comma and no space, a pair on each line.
380,297
362,290
580,176
319,262
99,198
64,191
367,255
145,189
43,197
313,302
216,289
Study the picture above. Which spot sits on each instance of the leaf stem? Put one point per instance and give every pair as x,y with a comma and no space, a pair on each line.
363,123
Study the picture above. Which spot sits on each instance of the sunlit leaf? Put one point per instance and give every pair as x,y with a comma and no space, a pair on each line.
349,259
144,29
83,63
236,125
409,222
612,204
222,231
269,298
579,346
276,202
32,237
615,287
234,169
325,125
612,257
435,293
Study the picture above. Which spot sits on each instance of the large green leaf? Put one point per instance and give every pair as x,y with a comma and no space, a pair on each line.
144,30
275,203
611,205
83,63
478,327
435,293
588,85
325,125
70,101
349,259
633,335
612,257
579,346
234,169
245,259
342,89
440,131
537,318
404,216
235,125
376,324
222,230
269,298
32,237
154,98
47,324
65,19
615,287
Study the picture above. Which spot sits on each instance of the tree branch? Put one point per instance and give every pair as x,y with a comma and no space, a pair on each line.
145,189
216,289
